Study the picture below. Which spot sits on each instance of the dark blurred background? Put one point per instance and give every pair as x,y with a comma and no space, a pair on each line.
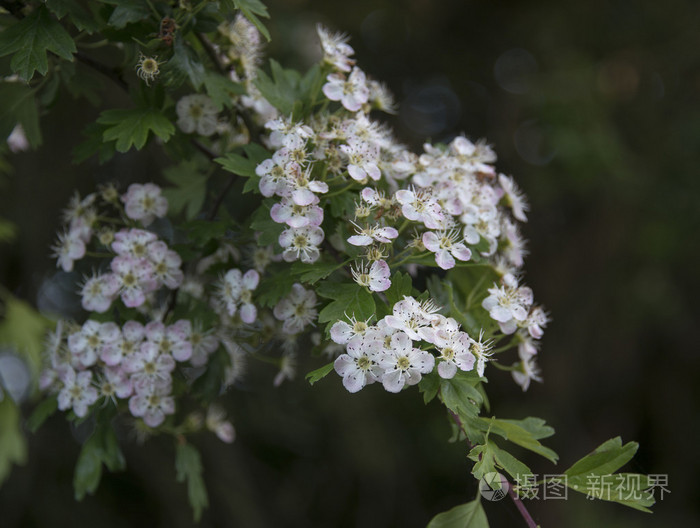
594,107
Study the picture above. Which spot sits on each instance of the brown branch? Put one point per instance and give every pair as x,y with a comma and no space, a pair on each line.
514,497
111,73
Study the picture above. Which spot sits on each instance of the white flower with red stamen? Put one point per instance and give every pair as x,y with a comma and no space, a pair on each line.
367,235
403,364
77,392
301,244
352,93
447,247
359,365
144,202
376,277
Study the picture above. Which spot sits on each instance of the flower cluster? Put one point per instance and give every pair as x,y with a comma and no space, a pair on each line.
103,361
391,351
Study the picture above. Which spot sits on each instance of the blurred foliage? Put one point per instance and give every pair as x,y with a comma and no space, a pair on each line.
594,107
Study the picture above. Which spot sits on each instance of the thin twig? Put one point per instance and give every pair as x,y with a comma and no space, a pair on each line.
518,503
110,73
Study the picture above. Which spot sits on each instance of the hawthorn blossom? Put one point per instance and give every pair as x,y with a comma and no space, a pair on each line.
482,352
513,197
359,366
409,316
454,353
115,383
173,339
403,364
446,247
527,371
144,202
166,264
77,392
362,160
420,206
351,92
217,423
152,404
135,278
133,242
342,332
507,303
198,113
149,367
94,340
301,243
376,277
296,310
336,50
288,212
69,248
237,290
368,235
98,292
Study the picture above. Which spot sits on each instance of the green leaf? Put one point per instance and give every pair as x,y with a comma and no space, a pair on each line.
429,385
469,515
185,63
318,374
273,288
132,127
221,89
595,476
79,16
312,273
101,448
460,395
238,165
604,460
94,144
282,89
8,230
42,411
514,467
13,448
401,285
126,12
252,9
514,431
190,188
188,465
31,38
18,105
24,328
350,300
262,222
